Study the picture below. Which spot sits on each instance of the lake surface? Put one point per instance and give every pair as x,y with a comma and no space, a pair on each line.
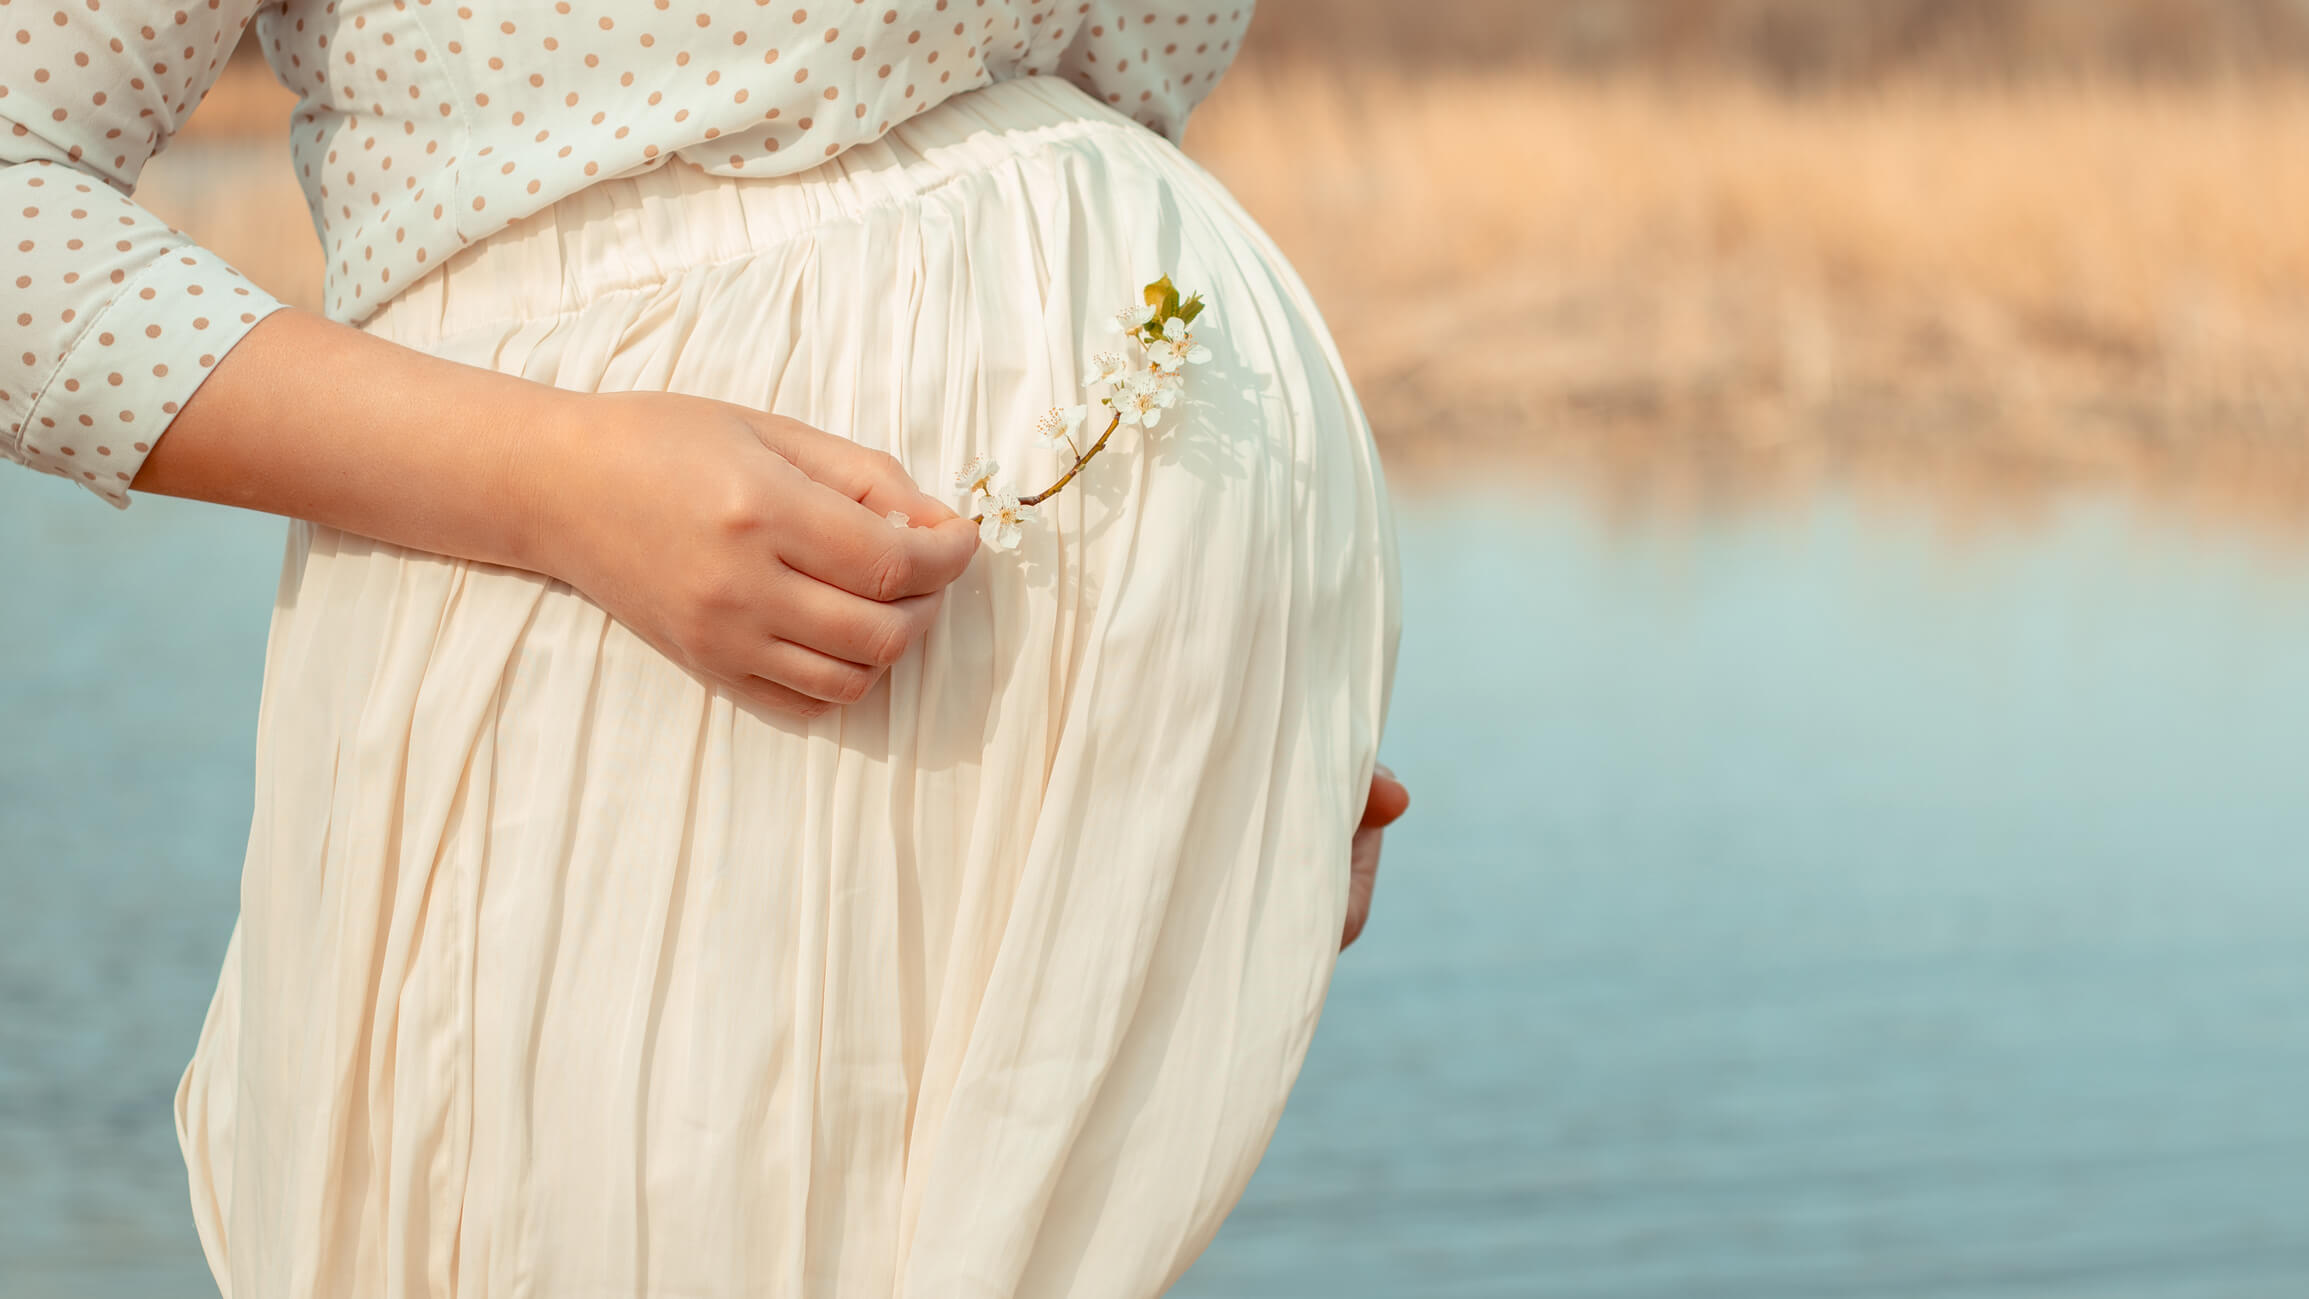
1802,903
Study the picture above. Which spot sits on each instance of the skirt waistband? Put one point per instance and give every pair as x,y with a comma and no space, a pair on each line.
633,232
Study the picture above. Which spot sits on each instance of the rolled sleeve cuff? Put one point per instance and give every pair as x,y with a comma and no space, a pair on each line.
122,381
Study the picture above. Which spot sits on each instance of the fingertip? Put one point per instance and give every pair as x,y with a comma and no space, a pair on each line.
1388,799
964,532
956,540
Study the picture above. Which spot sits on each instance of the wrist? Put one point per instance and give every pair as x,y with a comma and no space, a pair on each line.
548,449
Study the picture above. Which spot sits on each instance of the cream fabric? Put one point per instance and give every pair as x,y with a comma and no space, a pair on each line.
428,124
562,974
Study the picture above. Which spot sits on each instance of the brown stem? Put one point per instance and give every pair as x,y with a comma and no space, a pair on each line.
1052,490
1068,477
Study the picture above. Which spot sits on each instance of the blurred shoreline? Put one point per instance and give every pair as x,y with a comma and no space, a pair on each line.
1975,293
1741,253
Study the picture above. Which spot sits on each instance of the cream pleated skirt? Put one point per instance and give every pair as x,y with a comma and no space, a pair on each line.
562,974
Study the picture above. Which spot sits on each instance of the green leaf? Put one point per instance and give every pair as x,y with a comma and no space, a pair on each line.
1163,296
1191,308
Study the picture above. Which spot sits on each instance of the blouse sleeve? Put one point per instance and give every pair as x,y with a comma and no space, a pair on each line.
1153,59
113,319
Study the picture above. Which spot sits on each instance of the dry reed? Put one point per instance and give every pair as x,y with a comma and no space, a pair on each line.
1801,43
2044,281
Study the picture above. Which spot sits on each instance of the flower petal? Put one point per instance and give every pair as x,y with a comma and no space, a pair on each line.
975,474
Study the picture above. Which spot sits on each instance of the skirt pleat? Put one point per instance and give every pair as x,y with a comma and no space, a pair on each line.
562,973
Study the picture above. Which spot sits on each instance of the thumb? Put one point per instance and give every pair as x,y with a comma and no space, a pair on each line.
872,478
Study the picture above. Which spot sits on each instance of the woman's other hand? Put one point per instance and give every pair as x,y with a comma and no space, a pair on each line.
1386,802
748,547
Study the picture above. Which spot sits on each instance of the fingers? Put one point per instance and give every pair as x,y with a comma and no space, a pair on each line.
1387,800
880,486
848,545
1362,879
869,633
832,646
852,545
780,699
794,678
871,478
805,671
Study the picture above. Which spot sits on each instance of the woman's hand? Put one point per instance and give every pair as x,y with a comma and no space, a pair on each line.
750,548
1386,802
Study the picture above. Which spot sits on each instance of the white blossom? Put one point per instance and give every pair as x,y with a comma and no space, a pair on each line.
1176,347
898,519
1166,384
1143,400
1003,518
1123,384
975,475
1109,368
1058,427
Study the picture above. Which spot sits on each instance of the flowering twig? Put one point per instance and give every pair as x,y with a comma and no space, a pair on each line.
1136,393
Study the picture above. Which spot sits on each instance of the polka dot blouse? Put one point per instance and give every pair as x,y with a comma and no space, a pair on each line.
428,124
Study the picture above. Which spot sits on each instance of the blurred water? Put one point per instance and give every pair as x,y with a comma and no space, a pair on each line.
1798,904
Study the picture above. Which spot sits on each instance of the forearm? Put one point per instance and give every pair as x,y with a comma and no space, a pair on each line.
316,420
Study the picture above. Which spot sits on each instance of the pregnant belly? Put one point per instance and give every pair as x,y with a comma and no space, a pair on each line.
562,971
